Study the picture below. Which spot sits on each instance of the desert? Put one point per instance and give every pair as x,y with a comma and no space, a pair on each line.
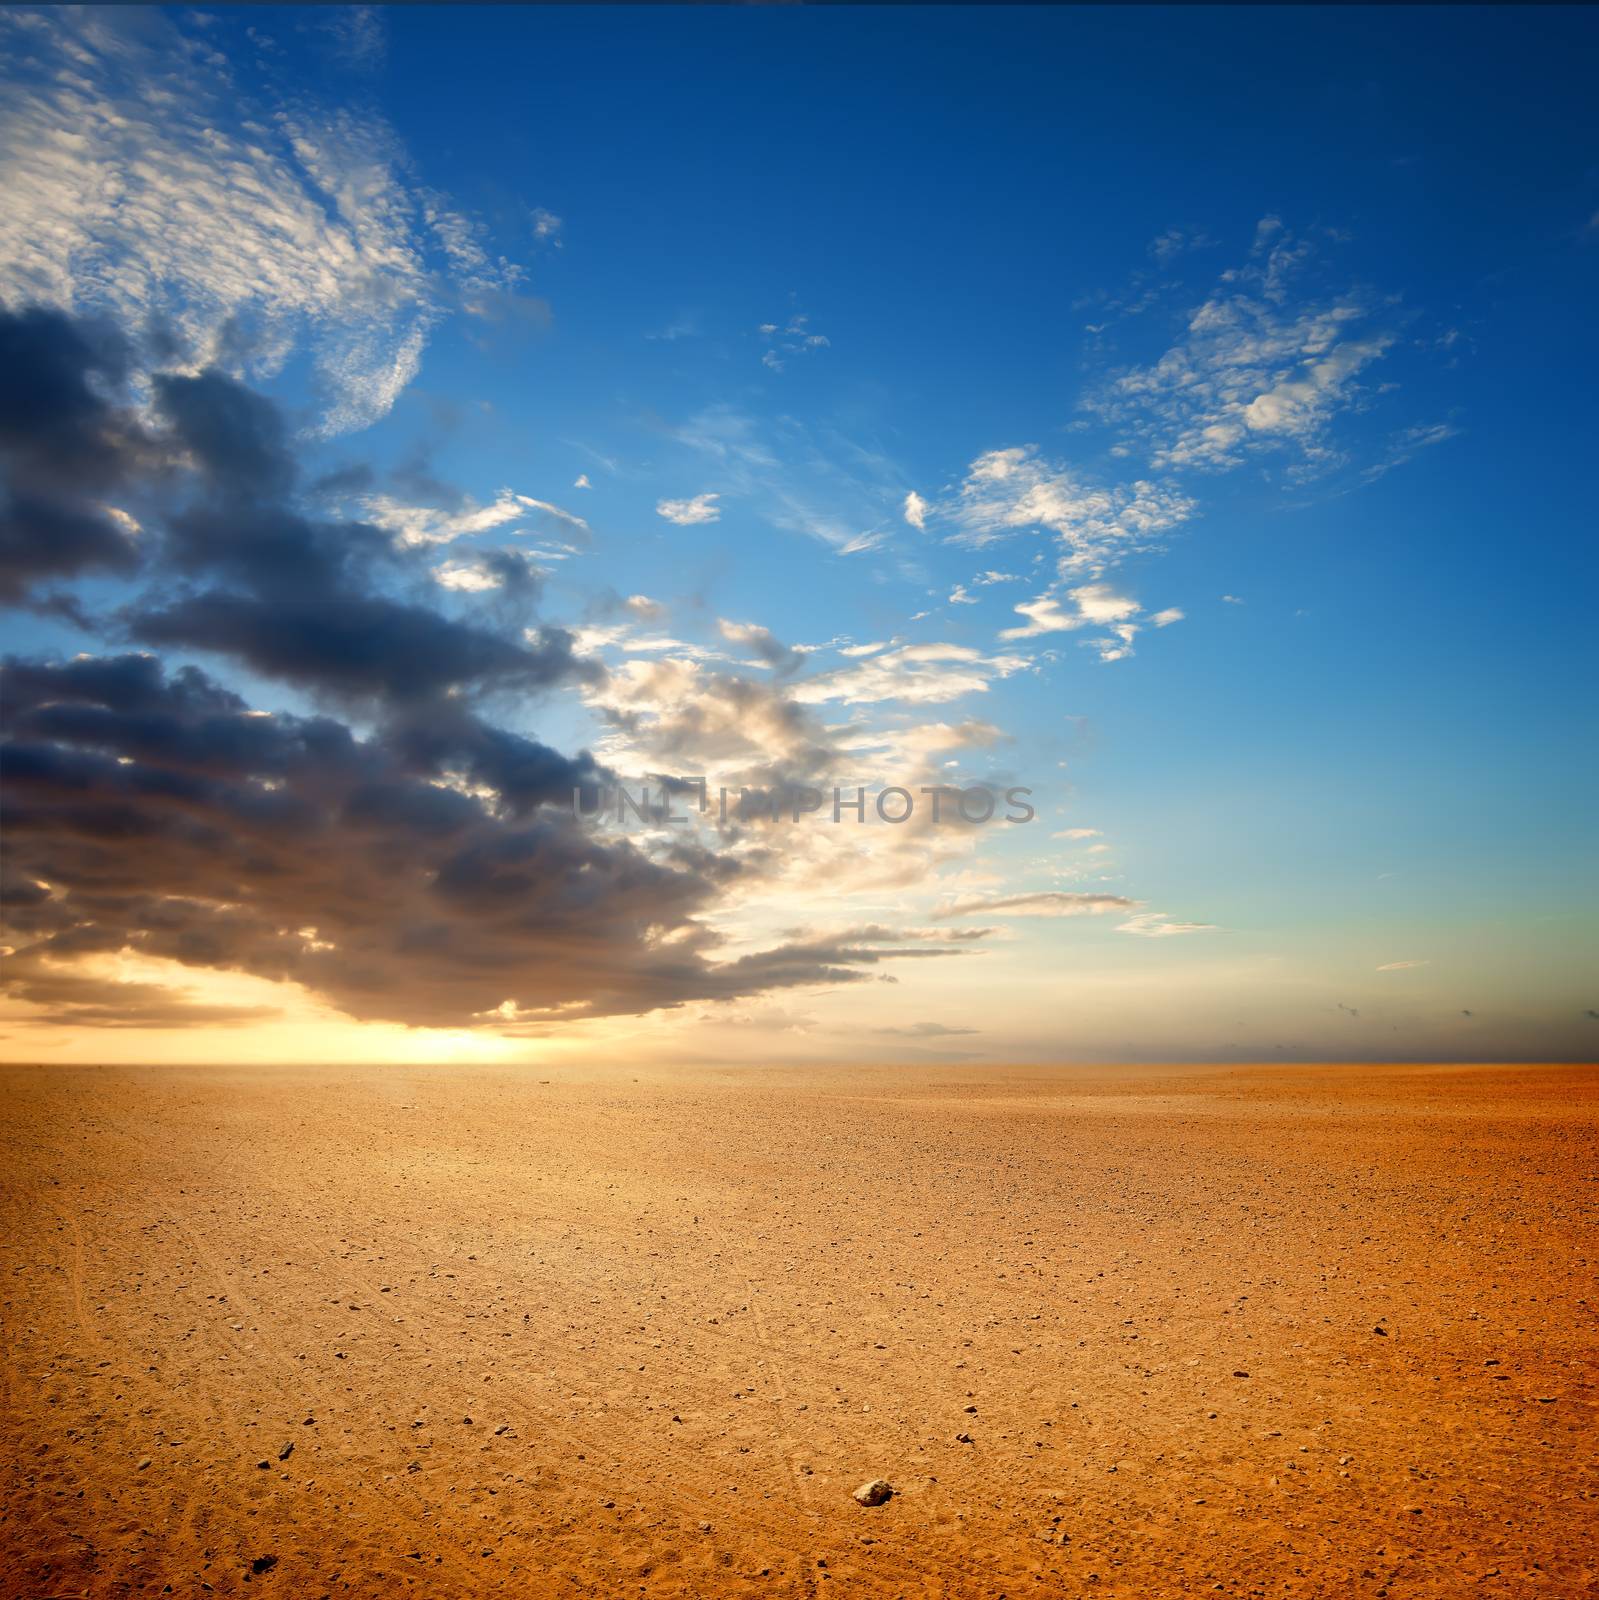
484,1330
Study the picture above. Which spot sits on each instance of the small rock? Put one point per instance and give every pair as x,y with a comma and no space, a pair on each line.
874,1492
263,1564
286,1451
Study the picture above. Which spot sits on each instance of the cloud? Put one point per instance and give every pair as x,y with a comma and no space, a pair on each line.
358,35
1043,903
1076,833
1157,925
416,866
700,508
471,577
1402,966
581,481
772,651
68,452
925,1030
1008,491
959,597
1094,605
1255,370
924,674
423,874
1407,444
915,510
144,180
418,525
787,340
354,647
795,480
1178,241
237,568
1164,619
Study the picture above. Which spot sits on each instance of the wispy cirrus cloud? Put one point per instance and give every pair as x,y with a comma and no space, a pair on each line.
812,482
922,674
145,180
1042,903
786,340
1158,925
422,524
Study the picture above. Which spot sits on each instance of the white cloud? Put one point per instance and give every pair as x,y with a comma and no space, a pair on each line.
1042,903
1095,605
642,606
1158,925
1076,833
700,508
418,525
1098,603
1232,600
1253,369
926,674
915,510
581,481
468,576
793,338
1007,491
1164,619
142,180
1402,966
959,597
1044,615
570,518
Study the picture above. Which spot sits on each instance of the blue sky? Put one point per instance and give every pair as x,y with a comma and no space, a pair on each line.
1188,407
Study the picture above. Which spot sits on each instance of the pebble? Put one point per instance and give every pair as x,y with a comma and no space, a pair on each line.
874,1492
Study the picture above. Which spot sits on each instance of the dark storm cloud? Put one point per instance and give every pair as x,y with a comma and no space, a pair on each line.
155,813
354,647
64,445
304,598
237,438
420,868
238,568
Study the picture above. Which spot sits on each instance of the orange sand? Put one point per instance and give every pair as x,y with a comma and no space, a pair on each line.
533,1332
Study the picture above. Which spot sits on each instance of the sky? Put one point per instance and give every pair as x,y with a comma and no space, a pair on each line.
1184,416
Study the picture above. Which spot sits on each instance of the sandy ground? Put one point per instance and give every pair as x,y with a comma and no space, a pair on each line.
461,1331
